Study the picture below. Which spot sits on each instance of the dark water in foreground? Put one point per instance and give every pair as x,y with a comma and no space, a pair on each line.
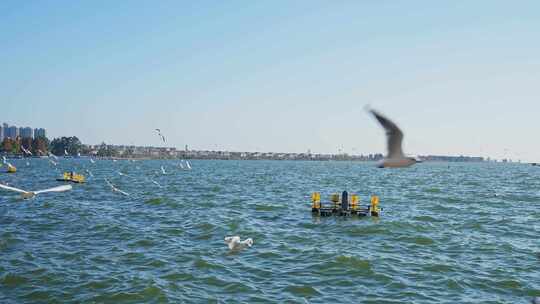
450,233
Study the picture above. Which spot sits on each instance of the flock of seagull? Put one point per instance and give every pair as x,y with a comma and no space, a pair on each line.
234,243
395,158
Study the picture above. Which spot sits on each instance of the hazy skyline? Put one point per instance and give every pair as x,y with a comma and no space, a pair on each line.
459,77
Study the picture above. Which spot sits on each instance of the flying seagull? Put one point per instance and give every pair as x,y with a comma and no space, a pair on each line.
53,156
155,183
395,157
234,243
160,135
30,194
26,151
114,189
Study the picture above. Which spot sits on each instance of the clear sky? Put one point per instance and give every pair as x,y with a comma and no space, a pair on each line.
459,77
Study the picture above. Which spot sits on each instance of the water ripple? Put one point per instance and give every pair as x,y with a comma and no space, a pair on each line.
467,233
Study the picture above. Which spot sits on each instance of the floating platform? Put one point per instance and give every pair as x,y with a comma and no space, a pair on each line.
72,178
344,206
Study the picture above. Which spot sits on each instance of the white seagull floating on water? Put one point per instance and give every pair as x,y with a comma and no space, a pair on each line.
234,243
30,194
395,157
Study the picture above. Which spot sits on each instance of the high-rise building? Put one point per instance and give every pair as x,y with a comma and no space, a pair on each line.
13,132
3,133
26,132
39,133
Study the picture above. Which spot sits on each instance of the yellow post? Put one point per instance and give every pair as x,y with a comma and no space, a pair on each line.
335,199
354,201
316,200
375,204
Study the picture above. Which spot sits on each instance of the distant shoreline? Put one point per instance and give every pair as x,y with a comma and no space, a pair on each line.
197,155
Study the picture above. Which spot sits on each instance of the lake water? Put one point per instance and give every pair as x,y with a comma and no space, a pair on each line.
449,233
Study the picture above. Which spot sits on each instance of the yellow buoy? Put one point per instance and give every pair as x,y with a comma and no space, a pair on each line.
11,168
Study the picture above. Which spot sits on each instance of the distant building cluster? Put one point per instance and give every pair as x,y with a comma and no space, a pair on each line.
12,132
171,152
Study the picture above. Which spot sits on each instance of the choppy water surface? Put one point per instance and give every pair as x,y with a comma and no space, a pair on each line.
450,233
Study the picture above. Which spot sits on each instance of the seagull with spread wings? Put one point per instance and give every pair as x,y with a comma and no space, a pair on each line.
160,135
29,194
395,157
114,189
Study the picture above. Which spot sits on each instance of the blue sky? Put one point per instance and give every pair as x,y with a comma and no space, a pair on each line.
459,77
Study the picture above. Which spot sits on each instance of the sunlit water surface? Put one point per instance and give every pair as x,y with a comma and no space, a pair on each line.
449,233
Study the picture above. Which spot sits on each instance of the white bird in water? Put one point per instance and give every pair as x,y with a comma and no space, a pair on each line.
114,189
395,157
30,194
188,165
92,161
163,170
234,243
